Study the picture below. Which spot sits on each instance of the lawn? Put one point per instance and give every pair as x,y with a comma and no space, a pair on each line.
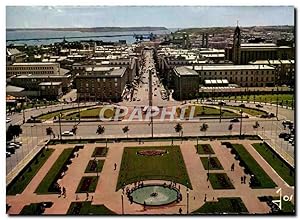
168,166
250,111
87,184
86,208
276,162
100,152
92,166
285,98
204,149
54,171
214,163
262,178
91,113
227,205
220,181
54,114
32,209
20,183
206,111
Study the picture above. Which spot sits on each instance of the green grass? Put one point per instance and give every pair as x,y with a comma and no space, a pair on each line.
207,111
86,208
24,179
100,152
228,205
32,209
54,114
286,206
91,113
214,163
264,181
220,181
169,166
44,185
204,149
276,162
250,111
285,98
92,186
99,167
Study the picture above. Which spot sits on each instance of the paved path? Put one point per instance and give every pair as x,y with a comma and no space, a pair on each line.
105,191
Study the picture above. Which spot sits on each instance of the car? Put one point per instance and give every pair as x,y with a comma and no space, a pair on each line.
8,154
234,120
10,149
271,115
259,106
8,120
222,103
291,140
287,122
19,143
138,100
287,137
209,100
14,145
67,133
283,135
242,105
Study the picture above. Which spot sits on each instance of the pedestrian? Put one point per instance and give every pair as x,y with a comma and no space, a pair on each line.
180,210
87,196
92,198
115,165
241,179
205,198
232,167
64,192
144,205
245,179
76,198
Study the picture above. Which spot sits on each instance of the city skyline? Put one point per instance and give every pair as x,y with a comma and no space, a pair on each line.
130,16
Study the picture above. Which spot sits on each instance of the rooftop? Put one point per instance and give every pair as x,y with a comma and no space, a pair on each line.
184,71
42,76
34,64
50,83
274,62
10,88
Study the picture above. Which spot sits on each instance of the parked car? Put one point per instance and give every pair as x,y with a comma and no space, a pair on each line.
287,137
234,120
10,149
271,115
14,145
8,154
222,103
259,106
67,133
242,105
287,122
283,135
8,120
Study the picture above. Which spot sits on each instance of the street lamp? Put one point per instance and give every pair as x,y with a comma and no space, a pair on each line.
187,200
241,112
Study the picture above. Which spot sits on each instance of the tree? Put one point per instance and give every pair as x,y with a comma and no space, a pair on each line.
13,131
126,130
100,129
230,127
204,128
178,128
49,131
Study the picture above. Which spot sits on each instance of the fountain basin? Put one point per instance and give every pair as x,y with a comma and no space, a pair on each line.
155,195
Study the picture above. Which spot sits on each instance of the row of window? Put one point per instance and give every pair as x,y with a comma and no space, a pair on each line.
14,68
246,78
242,72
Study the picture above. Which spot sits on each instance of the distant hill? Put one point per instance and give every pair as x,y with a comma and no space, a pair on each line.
93,29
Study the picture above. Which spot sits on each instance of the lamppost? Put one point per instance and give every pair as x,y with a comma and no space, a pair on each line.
97,168
122,200
59,117
220,112
187,200
241,112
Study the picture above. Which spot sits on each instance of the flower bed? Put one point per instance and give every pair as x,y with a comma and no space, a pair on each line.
100,152
152,152
87,184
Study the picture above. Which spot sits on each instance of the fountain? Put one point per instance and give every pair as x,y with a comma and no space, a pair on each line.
155,195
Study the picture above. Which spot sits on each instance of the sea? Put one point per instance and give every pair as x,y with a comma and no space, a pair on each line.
29,34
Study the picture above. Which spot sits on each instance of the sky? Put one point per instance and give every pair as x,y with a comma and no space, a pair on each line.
170,17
